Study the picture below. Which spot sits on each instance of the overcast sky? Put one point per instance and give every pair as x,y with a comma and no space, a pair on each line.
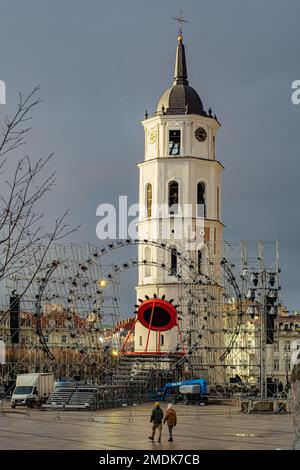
100,64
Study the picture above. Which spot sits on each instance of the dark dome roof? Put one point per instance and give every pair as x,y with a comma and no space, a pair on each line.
180,99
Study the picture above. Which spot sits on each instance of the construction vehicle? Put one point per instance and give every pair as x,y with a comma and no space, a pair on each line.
186,391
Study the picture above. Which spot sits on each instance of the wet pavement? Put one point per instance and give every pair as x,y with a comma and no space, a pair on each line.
211,427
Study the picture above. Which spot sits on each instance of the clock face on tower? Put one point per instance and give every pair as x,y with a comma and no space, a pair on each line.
200,134
152,135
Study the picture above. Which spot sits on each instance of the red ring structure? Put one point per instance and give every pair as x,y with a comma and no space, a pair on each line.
157,315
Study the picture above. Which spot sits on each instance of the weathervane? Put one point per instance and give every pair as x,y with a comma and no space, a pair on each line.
180,19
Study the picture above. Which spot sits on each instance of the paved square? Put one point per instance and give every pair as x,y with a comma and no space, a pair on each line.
211,427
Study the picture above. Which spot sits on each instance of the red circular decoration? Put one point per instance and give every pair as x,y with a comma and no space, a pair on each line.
163,313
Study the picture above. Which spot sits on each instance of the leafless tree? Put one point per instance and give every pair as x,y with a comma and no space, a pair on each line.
22,236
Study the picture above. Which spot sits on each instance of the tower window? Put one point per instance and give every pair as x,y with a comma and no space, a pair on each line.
201,200
149,199
141,341
174,142
174,261
162,340
218,203
173,196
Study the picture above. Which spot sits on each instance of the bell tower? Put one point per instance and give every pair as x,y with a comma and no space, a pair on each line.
180,169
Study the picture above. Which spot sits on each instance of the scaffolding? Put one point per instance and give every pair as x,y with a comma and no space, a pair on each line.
64,312
69,312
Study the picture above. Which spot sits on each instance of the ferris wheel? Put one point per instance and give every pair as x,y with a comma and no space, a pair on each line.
194,314
76,282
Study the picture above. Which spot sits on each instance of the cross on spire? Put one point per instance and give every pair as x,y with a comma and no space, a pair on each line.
180,19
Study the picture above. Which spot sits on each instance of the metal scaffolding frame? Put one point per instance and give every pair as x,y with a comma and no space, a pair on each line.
213,302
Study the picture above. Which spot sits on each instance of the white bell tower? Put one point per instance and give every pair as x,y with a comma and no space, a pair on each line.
180,167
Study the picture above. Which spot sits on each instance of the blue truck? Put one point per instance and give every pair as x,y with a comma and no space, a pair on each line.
186,391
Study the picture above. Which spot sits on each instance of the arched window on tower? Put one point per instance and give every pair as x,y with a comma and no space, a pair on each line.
173,198
149,200
174,260
218,203
201,200
148,259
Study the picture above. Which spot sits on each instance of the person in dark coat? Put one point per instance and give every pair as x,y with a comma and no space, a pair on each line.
156,418
171,420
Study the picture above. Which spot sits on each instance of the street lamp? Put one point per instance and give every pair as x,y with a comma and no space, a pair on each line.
102,283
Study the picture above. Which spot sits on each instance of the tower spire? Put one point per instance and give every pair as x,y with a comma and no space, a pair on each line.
180,73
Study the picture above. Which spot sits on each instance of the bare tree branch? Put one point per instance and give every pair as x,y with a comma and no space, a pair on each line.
22,236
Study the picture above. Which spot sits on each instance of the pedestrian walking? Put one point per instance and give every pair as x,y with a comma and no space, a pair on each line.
156,418
171,420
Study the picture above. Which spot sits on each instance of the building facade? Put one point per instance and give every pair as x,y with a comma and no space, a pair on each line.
75,350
